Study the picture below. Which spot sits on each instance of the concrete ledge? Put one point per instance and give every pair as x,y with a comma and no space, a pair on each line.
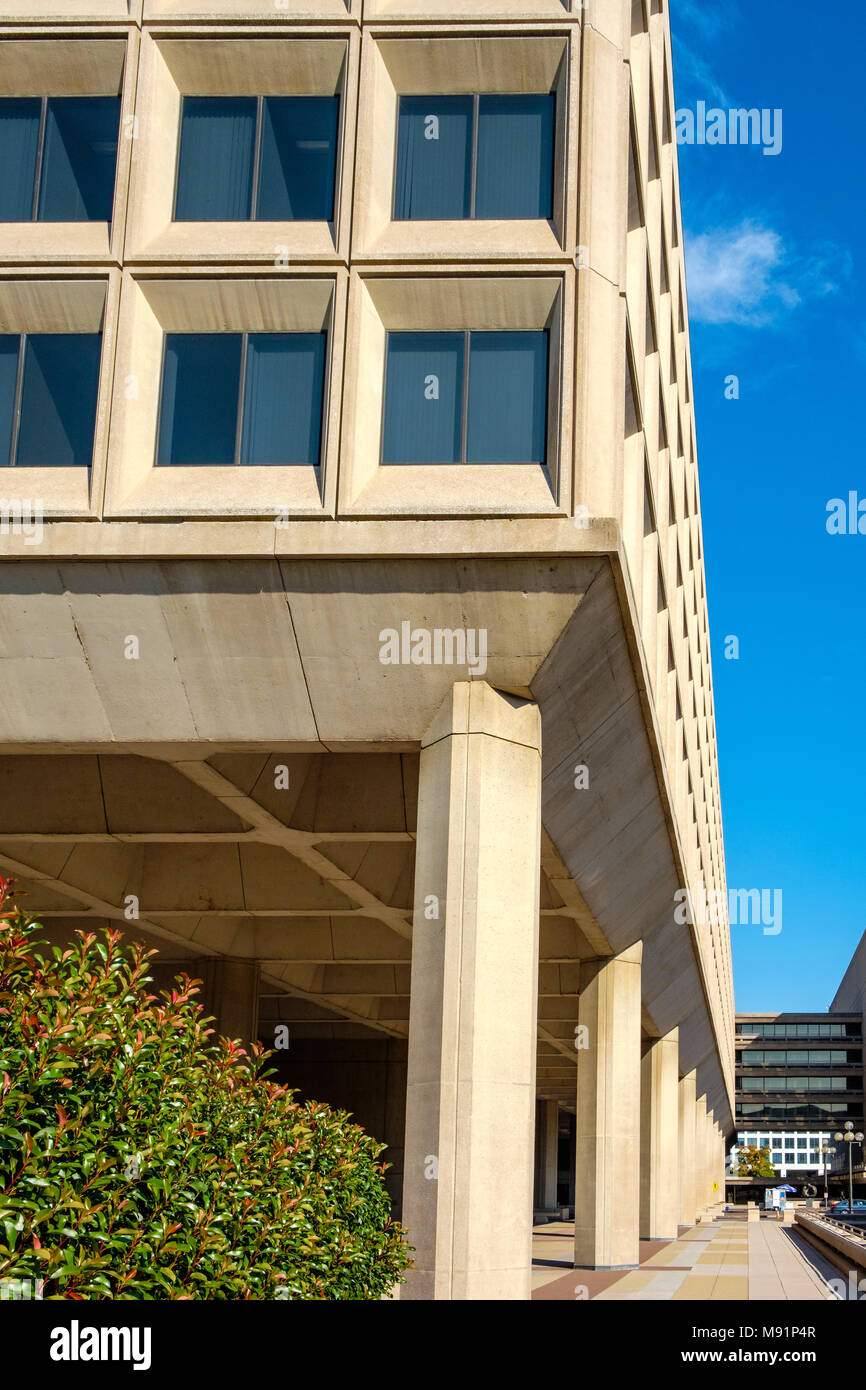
845,1251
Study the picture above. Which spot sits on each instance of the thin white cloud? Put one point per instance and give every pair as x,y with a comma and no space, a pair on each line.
734,275
692,72
745,274
707,19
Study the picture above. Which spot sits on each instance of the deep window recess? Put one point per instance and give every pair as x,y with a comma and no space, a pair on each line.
48,389
466,398
487,156
57,158
242,398
266,159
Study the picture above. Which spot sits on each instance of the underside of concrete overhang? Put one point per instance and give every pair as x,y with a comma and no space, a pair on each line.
221,741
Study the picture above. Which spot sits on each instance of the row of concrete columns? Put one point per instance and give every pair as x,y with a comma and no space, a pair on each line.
647,1154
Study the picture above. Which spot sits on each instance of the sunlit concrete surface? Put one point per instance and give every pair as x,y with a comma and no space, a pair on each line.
726,1259
445,891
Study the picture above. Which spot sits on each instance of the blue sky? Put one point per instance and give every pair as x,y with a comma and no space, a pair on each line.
776,292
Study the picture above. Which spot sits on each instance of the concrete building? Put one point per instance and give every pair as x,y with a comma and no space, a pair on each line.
353,631
850,998
799,1079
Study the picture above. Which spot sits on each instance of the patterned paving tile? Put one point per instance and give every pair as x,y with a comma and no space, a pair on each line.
719,1260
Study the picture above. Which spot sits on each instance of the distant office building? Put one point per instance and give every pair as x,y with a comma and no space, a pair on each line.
799,1078
792,1155
851,998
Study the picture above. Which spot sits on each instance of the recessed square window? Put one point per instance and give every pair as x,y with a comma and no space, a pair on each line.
257,158
58,157
199,411
48,389
434,158
298,159
507,407
19,146
514,171
424,398
10,348
241,398
466,398
283,396
484,156
215,165
79,159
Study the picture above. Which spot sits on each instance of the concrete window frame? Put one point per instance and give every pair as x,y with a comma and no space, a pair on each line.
272,11
153,305
232,64
444,63
449,302
67,304
57,66
526,11
71,11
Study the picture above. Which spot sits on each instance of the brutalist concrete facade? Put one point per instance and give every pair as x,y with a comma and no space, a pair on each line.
455,882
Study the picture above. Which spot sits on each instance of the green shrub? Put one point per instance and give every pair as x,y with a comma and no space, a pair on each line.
139,1160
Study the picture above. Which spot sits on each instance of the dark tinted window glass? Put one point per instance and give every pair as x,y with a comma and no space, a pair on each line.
283,387
515,156
199,406
423,398
507,398
215,167
19,141
9,346
79,159
58,399
434,157
299,159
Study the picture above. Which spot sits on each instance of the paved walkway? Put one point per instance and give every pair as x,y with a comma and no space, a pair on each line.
725,1259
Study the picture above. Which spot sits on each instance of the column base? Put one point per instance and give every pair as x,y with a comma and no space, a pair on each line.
602,1269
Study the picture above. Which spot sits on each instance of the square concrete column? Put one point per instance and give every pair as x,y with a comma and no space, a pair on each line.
713,1161
718,1160
470,1097
710,1152
659,1139
710,1161
686,1097
607,1188
548,1122
702,1187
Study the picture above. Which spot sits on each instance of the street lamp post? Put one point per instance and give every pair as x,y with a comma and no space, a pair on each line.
826,1152
850,1139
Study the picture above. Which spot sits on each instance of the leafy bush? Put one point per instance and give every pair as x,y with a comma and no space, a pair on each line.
140,1160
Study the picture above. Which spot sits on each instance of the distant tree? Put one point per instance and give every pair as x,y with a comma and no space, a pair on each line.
755,1162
